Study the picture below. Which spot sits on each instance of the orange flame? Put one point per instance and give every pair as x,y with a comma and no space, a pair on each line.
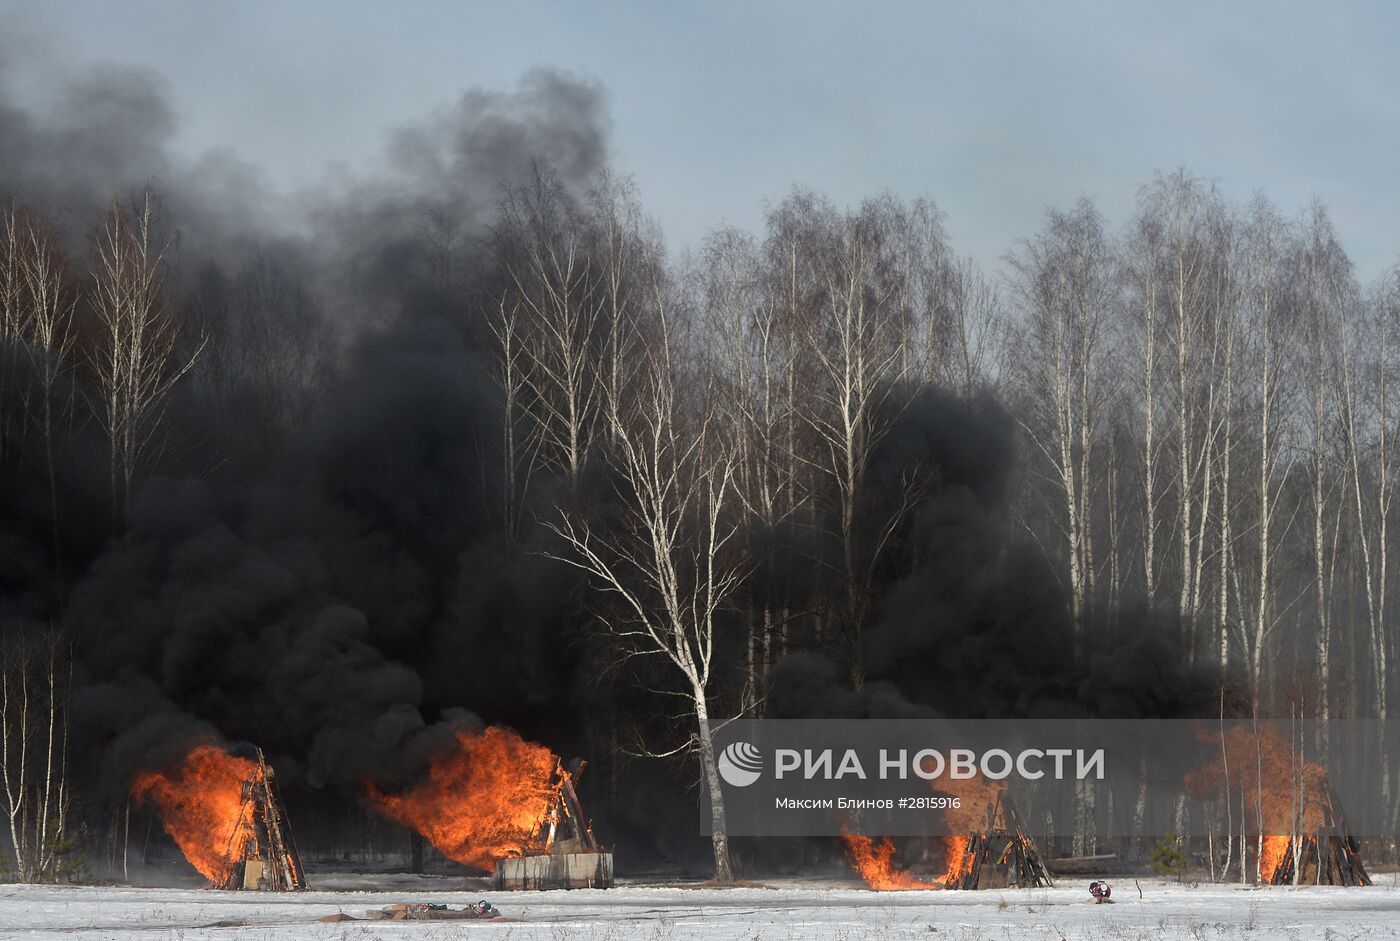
478,802
1283,793
876,863
977,797
1275,848
959,863
200,801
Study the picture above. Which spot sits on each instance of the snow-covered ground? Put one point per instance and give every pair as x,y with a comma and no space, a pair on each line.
1166,912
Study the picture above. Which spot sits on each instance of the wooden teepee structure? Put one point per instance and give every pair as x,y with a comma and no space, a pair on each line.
1000,855
1328,856
563,853
261,845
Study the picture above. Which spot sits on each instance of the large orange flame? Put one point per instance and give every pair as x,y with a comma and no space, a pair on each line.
478,802
200,801
1283,793
876,861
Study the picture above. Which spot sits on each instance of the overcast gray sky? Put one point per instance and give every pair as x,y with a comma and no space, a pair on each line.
994,110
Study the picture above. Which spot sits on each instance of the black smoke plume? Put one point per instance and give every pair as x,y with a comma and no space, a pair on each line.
315,564
972,621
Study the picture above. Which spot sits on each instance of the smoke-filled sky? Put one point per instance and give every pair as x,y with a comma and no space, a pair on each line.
993,110
996,111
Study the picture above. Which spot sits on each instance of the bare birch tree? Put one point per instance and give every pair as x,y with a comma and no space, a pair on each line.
37,333
1265,387
977,320
1148,317
668,561
140,355
51,338
35,683
1368,362
855,337
519,437
1324,304
554,281
14,391
1066,287
1182,248
752,352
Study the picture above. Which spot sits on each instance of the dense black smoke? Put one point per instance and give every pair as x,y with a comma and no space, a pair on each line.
316,564
315,610
384,238
110,129
107,130
341,604
972,621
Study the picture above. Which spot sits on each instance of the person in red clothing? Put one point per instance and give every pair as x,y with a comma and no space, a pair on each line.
1100,891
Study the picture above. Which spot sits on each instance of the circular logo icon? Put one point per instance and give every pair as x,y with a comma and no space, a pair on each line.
740,764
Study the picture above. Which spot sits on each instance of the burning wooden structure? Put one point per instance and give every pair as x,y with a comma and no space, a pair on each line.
562,853
1326,855
998,856
261,848
1302,834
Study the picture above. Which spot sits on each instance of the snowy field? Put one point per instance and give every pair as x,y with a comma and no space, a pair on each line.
787,911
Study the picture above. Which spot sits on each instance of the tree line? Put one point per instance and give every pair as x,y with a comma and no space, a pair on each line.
712,442
1203,401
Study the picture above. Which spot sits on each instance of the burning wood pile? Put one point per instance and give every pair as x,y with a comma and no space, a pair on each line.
263,851
1294,821
563,853
497,802
989,848
224,813
479,800
488,799
999,854
1327,855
